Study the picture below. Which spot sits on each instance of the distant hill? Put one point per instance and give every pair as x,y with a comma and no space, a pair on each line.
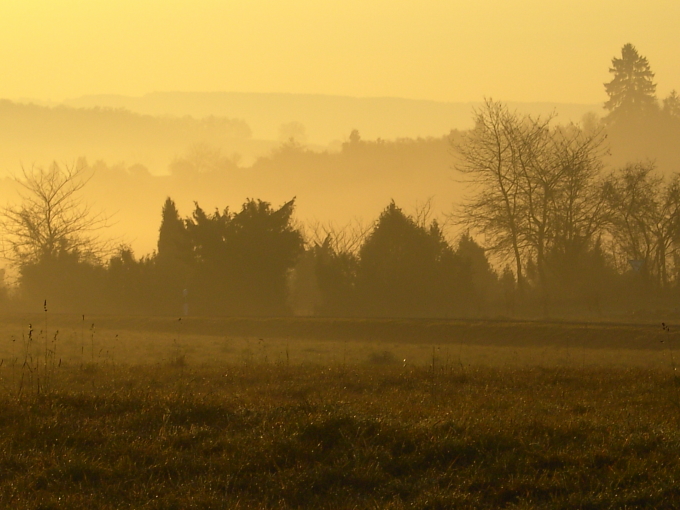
326,118
30,133
221,148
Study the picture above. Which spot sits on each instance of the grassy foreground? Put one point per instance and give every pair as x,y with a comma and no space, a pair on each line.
368,435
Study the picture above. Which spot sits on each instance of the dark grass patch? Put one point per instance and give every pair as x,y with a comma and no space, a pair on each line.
373,436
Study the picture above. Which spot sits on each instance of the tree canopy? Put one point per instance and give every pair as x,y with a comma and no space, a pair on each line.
632,91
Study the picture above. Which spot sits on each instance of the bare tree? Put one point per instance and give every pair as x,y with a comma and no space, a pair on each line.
346,238
531,186
559,181
494,207
580,205
423,212
644,216
666,225
52,217
539,177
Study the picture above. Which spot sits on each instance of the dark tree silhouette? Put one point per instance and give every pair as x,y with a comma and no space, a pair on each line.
406,269
671,105
242,260
174,246
531,186
483,278
262,245
494,207
336,272
644,217
129,284
173,262
632,90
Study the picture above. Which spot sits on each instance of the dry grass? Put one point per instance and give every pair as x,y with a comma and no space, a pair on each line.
280,424
149,340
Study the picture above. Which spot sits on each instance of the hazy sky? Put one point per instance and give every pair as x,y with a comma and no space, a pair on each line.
512,50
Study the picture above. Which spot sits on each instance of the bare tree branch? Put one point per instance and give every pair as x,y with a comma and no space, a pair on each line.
52,217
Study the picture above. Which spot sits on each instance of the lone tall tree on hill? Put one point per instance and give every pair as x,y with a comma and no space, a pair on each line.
632,90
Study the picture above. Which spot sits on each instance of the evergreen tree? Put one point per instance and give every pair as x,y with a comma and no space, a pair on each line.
671,105
262,247
173,261
241,261
631,91
406,269
483,278
173,242
336,279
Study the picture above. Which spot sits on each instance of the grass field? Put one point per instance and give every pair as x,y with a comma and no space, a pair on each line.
286,413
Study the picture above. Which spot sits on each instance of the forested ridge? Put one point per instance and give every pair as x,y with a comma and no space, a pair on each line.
551,223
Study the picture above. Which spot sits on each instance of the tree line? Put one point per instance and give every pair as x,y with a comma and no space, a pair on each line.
252,261
568,240
257,260
545,229
571,232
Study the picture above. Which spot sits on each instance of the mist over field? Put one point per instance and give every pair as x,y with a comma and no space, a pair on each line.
327,120
277,204
218,149
336,255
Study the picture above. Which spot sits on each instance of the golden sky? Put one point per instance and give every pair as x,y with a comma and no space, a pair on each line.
512,50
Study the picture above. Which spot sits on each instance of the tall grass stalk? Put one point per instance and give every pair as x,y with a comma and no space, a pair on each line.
27,369
583,361
82,341
14,359
92,331
674,368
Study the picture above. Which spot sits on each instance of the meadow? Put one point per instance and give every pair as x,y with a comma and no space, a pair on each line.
152,412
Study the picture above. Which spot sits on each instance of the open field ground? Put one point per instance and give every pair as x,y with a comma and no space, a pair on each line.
286,413
152,340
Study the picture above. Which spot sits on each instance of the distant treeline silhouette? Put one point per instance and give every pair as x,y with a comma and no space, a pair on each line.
570,235
576,241
255,262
